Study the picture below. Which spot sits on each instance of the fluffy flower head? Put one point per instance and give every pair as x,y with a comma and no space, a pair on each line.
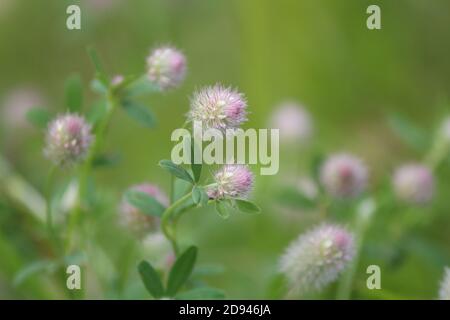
68,140
218,107
317,258
233,181
293,121
414,184
166,67
344,176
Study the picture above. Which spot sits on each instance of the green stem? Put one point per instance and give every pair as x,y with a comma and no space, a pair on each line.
48,210
86,169
168,225
363,219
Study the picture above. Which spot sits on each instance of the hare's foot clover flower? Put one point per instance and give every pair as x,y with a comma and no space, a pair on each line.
293,121
166,67
444,291
218,107
68,140
136,220
231,181
317,258
414,184
344,176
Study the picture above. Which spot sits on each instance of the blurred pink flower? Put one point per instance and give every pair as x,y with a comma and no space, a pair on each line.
166,67
16,105
414,183
344,176
133,218
68,140
293,121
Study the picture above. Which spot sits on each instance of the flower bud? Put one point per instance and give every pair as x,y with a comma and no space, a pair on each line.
294,123
218,107
232,181
137,221
414,184
68,140
166,67
344,176
444,291
317,258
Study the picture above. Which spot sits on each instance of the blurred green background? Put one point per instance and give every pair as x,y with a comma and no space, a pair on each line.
318,52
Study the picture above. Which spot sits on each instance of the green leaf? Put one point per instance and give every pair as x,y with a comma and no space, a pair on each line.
412,135
195,167
74,93
139,87
98,86
100,73
140,113
204,199
106,160
247,206
199,196
145,203
223,209
34,268
151,279
181,270
293,198
196,194
176,170
202,293
39,117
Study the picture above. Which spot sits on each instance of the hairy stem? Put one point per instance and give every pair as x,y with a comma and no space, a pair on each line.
169,225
